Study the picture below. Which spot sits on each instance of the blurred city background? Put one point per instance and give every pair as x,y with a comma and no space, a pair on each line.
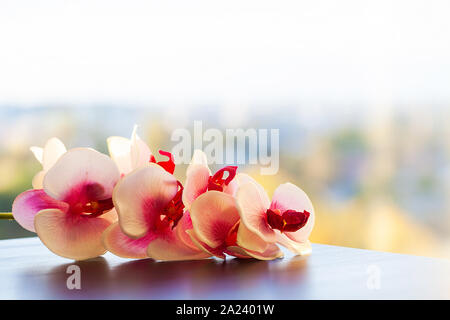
358,89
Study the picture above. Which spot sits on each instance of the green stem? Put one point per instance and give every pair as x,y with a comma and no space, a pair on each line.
6,216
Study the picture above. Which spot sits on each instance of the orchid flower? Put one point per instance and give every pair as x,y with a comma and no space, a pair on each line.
152,218
288,219
47,156
216,225
199,179
129,154
215,210
75,205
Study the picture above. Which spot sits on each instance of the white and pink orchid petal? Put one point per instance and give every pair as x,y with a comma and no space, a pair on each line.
213,215
237,252
69,236
79,169
196,183
129,154
240,180
123,246
140,196
183,225
290,197
38,180
29,203
111,215
199,158
298,248
204,247
250,240
272,252
253,202
52,151
38,153
139,151
243,178
47,156
171,248
231,188
120,151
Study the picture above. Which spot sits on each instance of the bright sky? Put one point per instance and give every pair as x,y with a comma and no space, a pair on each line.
90,51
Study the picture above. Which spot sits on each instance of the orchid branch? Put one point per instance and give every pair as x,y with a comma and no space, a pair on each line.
6,216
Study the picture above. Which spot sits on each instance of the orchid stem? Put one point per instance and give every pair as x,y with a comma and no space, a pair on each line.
6,216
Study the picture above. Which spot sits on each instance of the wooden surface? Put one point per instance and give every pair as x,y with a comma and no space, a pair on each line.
29,271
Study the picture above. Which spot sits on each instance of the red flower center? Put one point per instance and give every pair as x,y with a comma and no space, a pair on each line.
174,210
86,199
217,181
98,207
168,165
231,239
289,220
